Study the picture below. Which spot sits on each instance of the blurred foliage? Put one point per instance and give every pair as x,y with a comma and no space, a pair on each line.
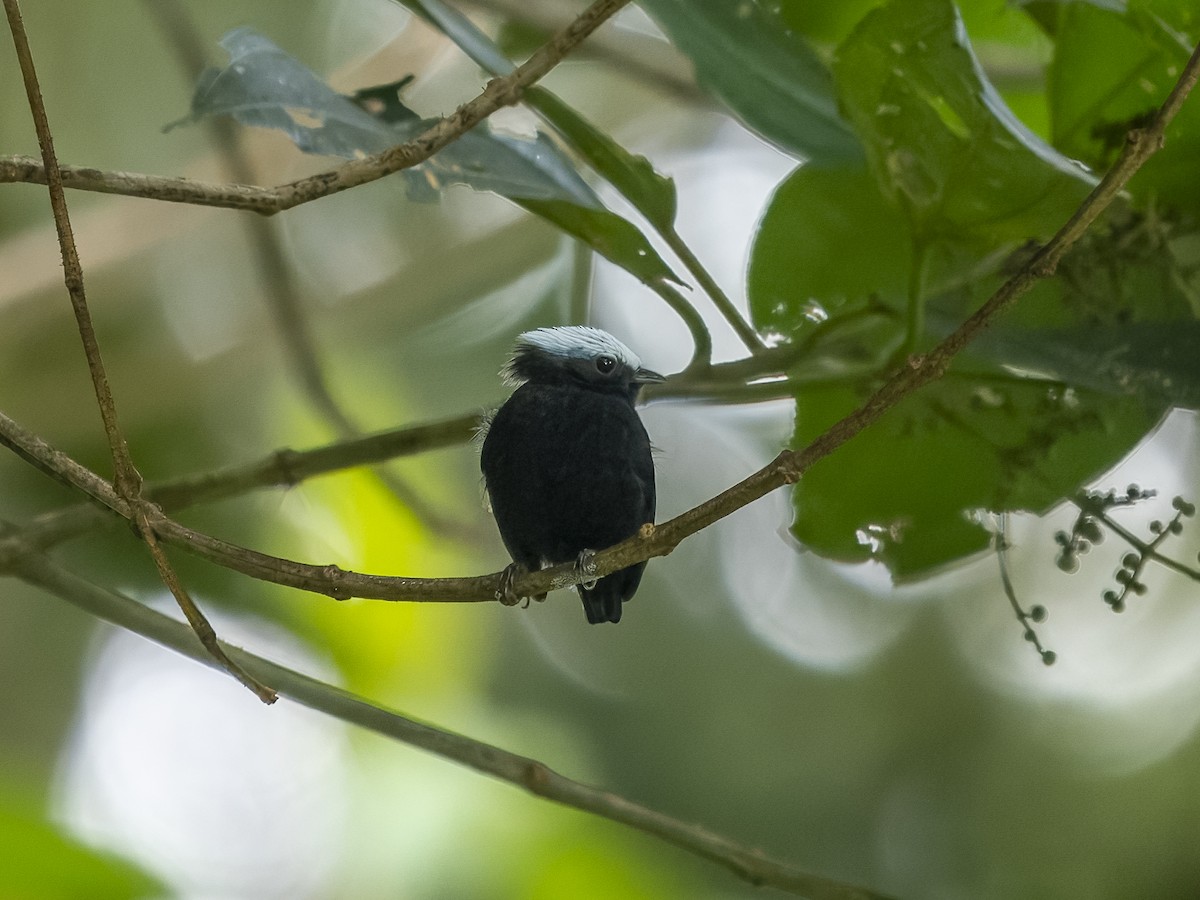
932,146
42,861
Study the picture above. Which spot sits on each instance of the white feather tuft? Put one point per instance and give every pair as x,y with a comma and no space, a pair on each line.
571,342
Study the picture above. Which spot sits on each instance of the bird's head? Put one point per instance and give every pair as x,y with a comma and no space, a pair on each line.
577,355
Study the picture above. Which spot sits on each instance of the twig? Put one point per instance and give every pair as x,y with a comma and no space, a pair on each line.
127,479
283,468
1026,618
127,482
628,53
519,771
701,340
1149,550
498,93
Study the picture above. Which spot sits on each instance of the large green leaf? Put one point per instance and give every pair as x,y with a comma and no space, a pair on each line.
41,861
828,239
616,239
938,135
905,491
763,71
1111,70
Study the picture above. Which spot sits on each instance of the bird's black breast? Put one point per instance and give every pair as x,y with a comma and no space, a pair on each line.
567,468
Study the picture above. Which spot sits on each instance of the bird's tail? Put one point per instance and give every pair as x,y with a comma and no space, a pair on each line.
602,602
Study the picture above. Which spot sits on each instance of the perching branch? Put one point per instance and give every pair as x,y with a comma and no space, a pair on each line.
519,771
498,93
127,482
283,468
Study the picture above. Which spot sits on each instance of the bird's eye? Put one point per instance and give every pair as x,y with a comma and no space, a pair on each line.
605,364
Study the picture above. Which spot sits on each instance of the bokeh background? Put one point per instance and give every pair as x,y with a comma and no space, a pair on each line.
905,737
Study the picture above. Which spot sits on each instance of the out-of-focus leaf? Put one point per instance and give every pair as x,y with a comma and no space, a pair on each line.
903,492
616,239
652,194
1048,13
265,87
1111,71
938,135
40,861
764,72
1155,362
469,39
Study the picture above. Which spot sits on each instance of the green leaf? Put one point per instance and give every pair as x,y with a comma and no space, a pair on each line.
1155,362
469,39
614,238
765,73
940,138
652,194
828,238
265,87
1110,72
40,861
904,491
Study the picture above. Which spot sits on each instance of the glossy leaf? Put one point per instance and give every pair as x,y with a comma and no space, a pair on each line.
616,239
41,861
1111,71
938,135
764,72
904,491
828,238
652,194
263,86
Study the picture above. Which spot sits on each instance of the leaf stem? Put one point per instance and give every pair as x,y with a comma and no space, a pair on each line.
720,299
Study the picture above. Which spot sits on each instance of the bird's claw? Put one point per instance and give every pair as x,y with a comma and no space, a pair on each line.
505,593
585,569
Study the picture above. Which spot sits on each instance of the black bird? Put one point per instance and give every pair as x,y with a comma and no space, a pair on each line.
566,459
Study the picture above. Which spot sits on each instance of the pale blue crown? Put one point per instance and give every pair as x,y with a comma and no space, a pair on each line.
571,342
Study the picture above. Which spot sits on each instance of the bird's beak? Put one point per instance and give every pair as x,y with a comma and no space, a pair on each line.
645,376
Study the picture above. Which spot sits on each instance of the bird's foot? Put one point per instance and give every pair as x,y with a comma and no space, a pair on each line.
585,569
505,593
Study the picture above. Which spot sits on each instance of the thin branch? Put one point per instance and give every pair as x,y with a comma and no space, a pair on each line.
498,93
1147,549
1026,618
629,53
283,468
519,771
701,340
127,483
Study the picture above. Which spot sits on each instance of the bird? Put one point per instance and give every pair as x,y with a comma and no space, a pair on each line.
566,460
